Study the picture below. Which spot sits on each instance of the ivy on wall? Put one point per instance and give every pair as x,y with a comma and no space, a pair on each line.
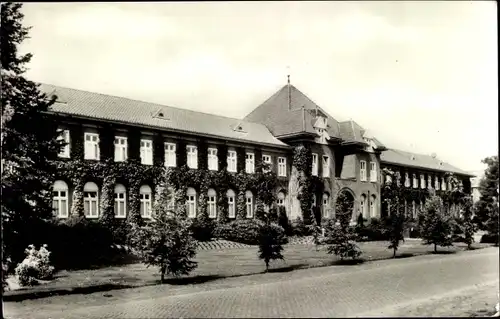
309,186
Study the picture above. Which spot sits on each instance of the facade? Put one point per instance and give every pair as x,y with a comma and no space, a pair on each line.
102,129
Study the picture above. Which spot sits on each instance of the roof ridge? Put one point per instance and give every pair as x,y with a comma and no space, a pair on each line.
146,102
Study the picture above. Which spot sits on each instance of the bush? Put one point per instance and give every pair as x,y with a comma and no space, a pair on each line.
271,238
167,243
299,228
245,231
202,229
489,239
376,230
283,221
35,266
79,243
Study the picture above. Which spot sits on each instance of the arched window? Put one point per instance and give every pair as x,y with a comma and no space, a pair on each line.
280,199
120,201
249,203
145,198
363,205
443,184
373,205
407,179
325,204
60,199
170,198
406,208
191,202
414,209
91,200
314,201
212,203
231,206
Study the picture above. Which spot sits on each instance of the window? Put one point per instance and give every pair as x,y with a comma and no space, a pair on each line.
414,209
281,166
60,199
422,181
373,206
146,152
325,204
192,156
249,163
90,200
65,149
313,201
280,201
230,201
212,206
213,161
191,202
373,172
362,170
407,179
443,184
120,201
120,148
267,160
170,155
249,203
314,164
436,183
429,181
363,205
231,161
91,146
415,181
406,208
326,166
170,198
145,198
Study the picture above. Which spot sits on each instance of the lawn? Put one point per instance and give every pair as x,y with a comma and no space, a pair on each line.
212,264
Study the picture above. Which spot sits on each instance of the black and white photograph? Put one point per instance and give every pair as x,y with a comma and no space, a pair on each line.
249,159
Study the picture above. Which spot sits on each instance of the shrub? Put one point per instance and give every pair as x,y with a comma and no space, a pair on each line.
167,243
35,266
341,241
271,239
299,228
245,231
283,221
376,230
489,239
202,229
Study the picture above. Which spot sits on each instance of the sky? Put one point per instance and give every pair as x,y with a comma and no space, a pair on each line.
420,76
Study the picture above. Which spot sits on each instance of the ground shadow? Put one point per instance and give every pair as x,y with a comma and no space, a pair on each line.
405,255
444,252
346,262
61,292
288,268
191,280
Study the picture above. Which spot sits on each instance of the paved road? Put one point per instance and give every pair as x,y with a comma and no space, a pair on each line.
360,291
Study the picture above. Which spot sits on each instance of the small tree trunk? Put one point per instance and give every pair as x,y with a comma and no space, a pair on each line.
435,248
267,265
163,270
394,252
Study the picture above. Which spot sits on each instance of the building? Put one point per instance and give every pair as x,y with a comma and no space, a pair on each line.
102,129
476,194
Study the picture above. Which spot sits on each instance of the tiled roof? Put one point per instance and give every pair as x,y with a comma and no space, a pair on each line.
284,118
351,131
106,107
403,158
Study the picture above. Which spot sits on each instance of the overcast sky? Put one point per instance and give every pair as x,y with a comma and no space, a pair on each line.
420,76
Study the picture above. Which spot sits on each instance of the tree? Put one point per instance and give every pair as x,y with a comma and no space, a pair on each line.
488,188
271,238
30,144
435,224
394,195
468,227
339,237
315,231
167,242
